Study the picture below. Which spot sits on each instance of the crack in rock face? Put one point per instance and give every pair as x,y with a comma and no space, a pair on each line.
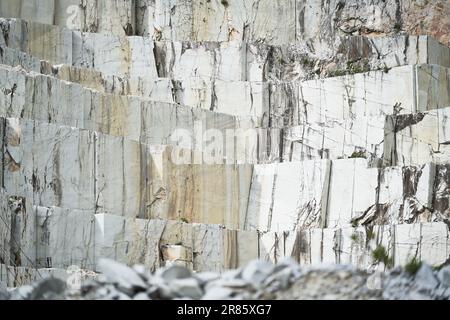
206,143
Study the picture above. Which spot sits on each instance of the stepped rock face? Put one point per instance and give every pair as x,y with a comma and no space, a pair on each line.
211,133
248,20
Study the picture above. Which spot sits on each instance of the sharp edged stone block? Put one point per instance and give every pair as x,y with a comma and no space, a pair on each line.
417,138
176,253
34,10
121,176
352,191
229,61
17,232
433,87
65,238
441,201
288,196
51,165
5,230
215,194
407,242
434,242
335,139
405,195
116,17
208,248
129,241
20,276
271,247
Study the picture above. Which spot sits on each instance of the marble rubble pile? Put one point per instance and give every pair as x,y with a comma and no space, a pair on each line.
338,118
257,281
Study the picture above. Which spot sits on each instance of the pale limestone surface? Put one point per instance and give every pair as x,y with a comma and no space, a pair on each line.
249,20
228,61
350,147
65,238
424,241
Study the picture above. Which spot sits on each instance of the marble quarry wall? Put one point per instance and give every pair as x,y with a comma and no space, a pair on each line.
213,132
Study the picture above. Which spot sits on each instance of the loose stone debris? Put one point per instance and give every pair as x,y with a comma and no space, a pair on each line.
258,280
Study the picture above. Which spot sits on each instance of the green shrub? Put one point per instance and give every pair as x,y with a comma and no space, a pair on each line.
413,266
358,154
371,234
354,237
380,255
184,220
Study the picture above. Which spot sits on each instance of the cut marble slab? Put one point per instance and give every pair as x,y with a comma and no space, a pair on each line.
45,98
376,93
21,276
288,196
352,191
441,200
17,232
5,229
202,193
228,61
65,238
333,139
49,164
211,247
264,104
40,97
249,20
116,17
258,20
417,138
121,176
426,242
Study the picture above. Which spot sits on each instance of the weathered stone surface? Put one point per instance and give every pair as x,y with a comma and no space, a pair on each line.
125,277
285,280
115,17
351,122
417,139
21,276
251,20
323,138
136,56
207,193
403,242
37,11
5,230
360,137
128,241
288,196
121,176
346,201
177,255
65,238
17,229
49,164
230,20
201,247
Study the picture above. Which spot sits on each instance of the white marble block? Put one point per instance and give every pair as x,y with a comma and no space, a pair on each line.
121,176
288,196
352,191
65,238
49,164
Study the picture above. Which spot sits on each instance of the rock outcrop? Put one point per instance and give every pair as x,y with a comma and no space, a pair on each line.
207,134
